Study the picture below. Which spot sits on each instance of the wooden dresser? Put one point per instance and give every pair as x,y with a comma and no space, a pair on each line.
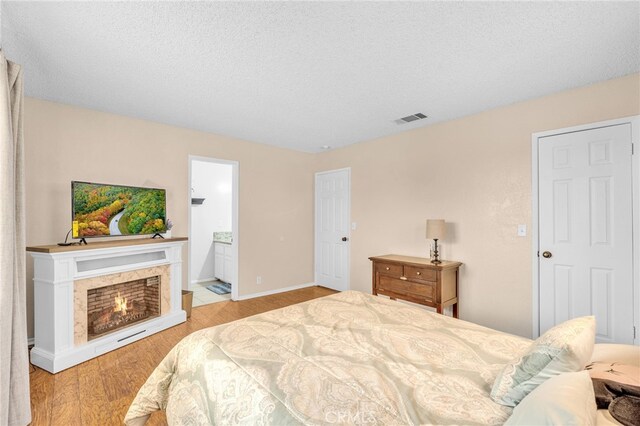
417,280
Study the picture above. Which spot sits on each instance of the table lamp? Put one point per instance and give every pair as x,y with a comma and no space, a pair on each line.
436,230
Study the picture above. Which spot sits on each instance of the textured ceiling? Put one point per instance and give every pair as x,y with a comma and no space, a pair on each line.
306,74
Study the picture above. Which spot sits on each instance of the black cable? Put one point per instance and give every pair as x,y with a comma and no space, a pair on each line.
65,240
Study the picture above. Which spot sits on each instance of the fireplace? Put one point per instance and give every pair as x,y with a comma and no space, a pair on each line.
120,305
95,298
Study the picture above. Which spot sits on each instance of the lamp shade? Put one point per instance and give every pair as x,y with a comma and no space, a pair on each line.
436,229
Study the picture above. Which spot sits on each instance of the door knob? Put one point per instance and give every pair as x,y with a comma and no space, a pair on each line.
344,238
546,254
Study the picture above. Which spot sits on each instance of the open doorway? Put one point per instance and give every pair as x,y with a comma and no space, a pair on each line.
213,229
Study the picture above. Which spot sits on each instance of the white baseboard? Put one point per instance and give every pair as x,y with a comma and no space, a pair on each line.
275,291
203,280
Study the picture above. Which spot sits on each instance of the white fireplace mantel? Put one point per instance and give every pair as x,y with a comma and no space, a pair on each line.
56,271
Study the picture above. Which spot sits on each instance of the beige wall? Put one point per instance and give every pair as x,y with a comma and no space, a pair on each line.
64,143
475,172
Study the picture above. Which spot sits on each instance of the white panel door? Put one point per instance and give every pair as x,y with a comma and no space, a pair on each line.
332,244
585,230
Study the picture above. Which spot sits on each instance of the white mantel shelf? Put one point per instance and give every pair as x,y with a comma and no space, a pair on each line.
57,268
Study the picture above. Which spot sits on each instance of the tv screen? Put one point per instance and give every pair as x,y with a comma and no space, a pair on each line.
101,210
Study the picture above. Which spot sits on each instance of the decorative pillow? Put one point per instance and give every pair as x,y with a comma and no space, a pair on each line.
565,348
565,399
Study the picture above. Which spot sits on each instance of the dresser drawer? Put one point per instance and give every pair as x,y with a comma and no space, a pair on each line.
389,269
394,285
422,274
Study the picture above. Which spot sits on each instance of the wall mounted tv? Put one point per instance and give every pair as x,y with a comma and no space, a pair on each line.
101,210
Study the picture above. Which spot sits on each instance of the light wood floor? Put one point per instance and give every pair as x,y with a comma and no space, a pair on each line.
99,391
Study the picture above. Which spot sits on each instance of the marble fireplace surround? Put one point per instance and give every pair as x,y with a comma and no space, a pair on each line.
81,287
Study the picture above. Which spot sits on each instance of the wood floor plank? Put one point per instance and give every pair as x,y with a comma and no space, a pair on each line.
119,408
99,391
115,384
66,397
94,406
41,396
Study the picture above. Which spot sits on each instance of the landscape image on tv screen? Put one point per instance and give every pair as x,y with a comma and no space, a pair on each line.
108,210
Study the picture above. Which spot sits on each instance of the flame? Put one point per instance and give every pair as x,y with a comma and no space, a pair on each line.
121,305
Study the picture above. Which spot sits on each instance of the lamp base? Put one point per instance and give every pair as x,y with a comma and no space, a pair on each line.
435,259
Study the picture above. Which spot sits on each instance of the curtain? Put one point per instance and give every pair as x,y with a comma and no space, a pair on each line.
15,408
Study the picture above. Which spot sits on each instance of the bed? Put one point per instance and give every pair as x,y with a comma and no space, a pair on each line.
347,358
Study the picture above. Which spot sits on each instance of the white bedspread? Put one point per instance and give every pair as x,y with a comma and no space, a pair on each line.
346,358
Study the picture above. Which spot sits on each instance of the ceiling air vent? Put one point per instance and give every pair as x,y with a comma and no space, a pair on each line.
410,118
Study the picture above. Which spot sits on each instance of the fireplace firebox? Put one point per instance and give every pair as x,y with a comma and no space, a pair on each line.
119,305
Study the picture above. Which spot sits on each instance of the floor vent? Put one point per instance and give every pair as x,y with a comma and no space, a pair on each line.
410,118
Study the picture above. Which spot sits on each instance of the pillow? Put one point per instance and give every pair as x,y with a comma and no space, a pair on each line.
565,399
565,348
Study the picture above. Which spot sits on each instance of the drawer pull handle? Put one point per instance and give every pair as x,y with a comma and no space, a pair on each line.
418,273
403,278
387,268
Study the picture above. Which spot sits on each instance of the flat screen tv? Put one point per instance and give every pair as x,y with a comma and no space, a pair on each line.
101,210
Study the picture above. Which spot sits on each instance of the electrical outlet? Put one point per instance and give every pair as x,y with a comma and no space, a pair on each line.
258,279
522,230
